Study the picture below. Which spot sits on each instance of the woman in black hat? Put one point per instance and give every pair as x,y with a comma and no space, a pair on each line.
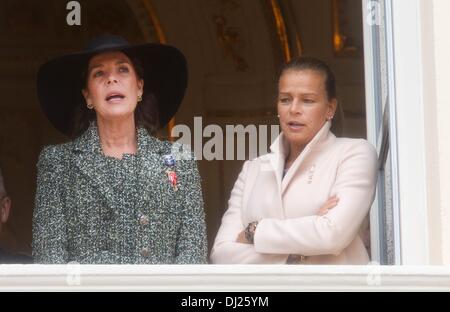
116,194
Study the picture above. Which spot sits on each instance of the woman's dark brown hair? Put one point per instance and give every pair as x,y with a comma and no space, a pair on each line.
314,64
145,115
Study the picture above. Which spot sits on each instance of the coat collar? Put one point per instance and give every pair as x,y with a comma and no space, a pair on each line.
89,141
280,148
89,160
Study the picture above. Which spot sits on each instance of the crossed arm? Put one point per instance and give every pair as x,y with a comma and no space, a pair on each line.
329,232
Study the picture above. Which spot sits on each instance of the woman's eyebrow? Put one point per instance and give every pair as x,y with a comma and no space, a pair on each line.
101,65
122,62
309,94
301,93
95,66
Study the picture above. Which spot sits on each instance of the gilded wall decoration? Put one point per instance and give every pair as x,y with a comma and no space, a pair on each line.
229,38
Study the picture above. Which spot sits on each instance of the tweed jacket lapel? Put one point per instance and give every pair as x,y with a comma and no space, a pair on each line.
88,160
150,170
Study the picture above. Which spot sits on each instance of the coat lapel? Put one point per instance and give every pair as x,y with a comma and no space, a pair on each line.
89,161
316,143
277,161
150,169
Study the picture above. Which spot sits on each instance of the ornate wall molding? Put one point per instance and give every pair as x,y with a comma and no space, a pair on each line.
230,39
285,27
148,20
281,29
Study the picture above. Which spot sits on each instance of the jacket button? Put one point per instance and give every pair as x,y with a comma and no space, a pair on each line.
145,252
143,220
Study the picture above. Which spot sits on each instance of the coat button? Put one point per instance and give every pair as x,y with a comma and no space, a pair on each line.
144,220
145,252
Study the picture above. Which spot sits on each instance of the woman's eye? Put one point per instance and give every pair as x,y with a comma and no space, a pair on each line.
284,100
309,101
98,73
124,69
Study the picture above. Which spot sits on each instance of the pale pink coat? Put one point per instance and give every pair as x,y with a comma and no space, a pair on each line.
287,208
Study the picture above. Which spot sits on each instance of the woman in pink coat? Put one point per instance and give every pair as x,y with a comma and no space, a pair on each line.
307,200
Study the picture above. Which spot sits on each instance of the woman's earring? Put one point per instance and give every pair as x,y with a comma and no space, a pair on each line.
278,116
139,98
90,106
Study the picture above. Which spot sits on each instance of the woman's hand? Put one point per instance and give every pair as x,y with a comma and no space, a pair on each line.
241,238
329,204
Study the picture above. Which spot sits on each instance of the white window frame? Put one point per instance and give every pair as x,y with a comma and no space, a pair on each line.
377,128
407,130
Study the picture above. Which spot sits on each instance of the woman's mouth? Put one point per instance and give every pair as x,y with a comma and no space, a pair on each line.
295,126
114,97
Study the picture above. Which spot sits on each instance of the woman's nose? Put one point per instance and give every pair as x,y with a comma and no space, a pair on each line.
296,107
111,79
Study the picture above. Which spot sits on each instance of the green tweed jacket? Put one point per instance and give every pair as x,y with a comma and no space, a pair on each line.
95,209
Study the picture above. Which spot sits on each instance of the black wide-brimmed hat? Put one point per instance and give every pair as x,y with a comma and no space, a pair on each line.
60,81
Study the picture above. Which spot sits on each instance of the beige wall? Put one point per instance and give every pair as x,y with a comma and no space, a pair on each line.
431,133
441,9
436,98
